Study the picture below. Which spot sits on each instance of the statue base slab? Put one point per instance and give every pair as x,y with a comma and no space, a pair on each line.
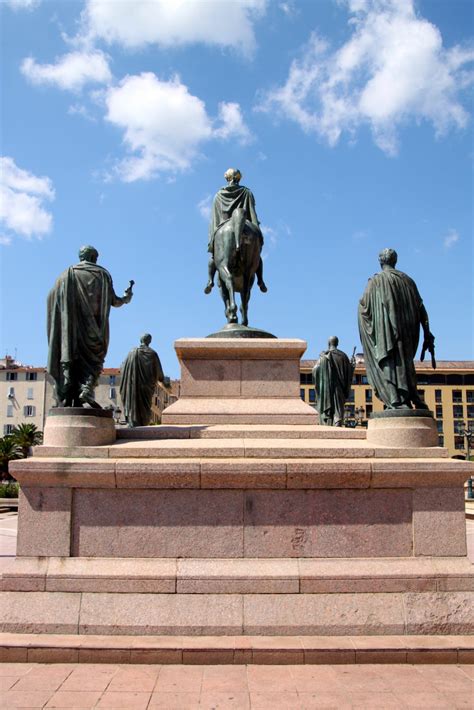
79,426
236,330
239,381
402,428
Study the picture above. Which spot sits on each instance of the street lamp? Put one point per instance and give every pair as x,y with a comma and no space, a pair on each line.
359,415
466,432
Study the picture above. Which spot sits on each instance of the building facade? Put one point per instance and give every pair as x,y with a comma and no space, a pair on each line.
27,394
448,391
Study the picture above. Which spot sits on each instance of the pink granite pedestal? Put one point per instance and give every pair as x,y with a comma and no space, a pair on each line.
276,527
239,381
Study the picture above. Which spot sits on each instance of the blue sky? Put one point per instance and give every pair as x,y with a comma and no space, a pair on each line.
351,121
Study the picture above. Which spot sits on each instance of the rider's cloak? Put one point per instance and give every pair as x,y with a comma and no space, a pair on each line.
226,201
389,326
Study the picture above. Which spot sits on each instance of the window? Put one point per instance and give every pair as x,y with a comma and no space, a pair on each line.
458,426
368,395
9,410
29,394
454,379
457,411
312,395
470,411
349,411
306,378
459,442
438,396
470,396
11,393
7,429
302,394
421,395
31,376
441,440
29,410
112,380
112,393
368,410
439,411
351,396
457,395
439,425
364,380
12,376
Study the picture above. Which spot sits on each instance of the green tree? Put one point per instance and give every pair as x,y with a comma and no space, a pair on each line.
26,436
9,450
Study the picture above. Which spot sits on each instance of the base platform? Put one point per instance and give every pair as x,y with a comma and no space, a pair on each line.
310,538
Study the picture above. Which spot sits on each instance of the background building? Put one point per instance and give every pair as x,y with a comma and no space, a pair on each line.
27,394
448,391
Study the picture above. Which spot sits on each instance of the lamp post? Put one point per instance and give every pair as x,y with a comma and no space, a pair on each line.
467,433
359,415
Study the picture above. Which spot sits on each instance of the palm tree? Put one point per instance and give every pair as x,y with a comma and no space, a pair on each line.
9,450
26,436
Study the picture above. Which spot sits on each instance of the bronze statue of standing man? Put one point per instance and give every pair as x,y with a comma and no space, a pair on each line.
391,312
140,373
332,377
78,328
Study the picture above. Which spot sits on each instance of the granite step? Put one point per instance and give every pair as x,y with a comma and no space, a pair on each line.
248,448
238,576
238,473
217,650
240,431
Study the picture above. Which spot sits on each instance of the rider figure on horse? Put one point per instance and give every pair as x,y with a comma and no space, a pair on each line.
235,201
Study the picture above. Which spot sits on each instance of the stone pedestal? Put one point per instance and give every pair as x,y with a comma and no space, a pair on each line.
79,426
403,428
240,528
239,381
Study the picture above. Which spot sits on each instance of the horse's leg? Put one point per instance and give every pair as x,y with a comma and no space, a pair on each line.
227,290
245,295
231,311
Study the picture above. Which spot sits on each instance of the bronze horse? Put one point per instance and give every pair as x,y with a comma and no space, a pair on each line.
237,248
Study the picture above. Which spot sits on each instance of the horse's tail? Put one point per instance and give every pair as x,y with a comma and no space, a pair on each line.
238,223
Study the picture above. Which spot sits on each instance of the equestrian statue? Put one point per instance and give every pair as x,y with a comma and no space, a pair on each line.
235,245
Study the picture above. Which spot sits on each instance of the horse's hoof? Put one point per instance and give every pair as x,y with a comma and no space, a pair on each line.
262,287
209,288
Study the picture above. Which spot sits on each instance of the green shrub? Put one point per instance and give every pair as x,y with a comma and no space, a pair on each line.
9,489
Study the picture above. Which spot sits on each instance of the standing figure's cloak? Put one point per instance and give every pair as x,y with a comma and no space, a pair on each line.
332,376
389,326
78,322
225,202
140,373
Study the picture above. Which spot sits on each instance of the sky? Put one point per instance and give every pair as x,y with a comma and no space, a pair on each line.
350,120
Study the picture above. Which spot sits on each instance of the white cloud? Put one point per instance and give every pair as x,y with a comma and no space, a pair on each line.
450,239
164,124
5,240
136,23
393,69
22,4
71,71
204,206
232,123
22,197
